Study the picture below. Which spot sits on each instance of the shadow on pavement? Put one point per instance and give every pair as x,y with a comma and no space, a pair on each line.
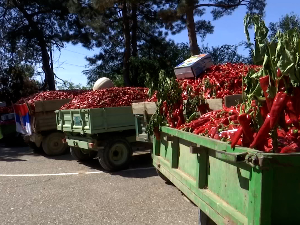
140,166
13,154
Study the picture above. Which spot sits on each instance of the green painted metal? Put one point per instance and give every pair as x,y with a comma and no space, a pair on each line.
140,127
95,121
232,186
83,141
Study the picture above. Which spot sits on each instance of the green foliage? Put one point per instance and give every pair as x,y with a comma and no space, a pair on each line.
281,52
225,54
285,23
68,85
168,90
33,27
17,82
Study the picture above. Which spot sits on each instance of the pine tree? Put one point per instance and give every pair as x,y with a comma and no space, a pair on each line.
33,27
180,14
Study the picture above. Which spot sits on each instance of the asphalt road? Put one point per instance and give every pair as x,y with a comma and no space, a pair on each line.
35,189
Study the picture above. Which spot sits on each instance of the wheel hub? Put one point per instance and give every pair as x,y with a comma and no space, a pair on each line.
118,154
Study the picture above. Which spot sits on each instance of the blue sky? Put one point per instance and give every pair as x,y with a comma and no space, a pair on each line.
70,62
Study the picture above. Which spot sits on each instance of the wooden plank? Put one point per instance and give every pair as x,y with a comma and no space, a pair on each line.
45,121
215,104
138,108
150,107
232,100
50,105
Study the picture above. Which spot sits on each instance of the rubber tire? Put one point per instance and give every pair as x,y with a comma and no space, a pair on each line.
55,137
80,156
163,177
107,163
35,148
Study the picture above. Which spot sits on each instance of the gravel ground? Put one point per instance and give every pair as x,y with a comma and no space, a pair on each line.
40,190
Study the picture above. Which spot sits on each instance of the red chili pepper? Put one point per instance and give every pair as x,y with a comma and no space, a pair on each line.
217,137
245,122
288,121
264,83
199,122
262,133
290,110
290,149
236,137
212,131
269,146
277,108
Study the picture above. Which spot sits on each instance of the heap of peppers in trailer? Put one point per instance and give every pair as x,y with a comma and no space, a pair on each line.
216,82
267,120
111,97
50,95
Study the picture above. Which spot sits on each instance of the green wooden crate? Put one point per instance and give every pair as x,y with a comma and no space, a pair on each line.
240,186
94,121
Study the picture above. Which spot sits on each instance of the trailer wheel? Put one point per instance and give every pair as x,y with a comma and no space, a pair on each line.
116,155
53,145
80,155
35,148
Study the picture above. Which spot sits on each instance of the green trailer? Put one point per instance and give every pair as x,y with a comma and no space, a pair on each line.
230,186
105,133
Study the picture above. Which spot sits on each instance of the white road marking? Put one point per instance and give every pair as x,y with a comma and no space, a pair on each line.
66,174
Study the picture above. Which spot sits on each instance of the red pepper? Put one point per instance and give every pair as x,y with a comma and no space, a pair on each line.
245,122
263,133
264,83
290,149
277,108
212,131
290,110
217,137
199,122
199,130
292,134
269,146
236,137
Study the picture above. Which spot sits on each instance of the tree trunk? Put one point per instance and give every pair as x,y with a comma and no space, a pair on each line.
190,23
126,33
49,75
134,43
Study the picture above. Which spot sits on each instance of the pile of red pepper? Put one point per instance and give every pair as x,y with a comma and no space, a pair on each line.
111,97
236,128
280,121
216,82
50,95
6,110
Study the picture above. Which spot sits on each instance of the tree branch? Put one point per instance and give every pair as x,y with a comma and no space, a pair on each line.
226,6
